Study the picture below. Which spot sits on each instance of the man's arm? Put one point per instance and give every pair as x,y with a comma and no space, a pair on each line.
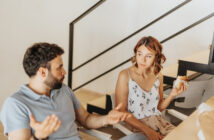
21,134
96,121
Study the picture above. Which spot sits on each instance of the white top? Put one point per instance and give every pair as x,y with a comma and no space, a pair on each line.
142,103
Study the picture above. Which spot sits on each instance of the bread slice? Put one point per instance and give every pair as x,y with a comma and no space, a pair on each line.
181,81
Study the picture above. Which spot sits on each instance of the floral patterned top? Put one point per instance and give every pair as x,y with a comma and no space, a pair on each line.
142,103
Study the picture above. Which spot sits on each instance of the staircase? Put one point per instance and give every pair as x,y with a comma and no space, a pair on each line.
176,37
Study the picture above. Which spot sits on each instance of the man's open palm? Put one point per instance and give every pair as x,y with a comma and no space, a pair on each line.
43,129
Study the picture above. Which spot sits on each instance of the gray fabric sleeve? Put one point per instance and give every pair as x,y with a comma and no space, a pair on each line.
14,116
76,102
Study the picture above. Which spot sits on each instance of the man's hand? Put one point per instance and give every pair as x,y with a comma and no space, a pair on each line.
45,128
116,116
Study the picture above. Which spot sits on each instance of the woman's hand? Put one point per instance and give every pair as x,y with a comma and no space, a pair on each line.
116,115
179,86
178,90
153,135
45,128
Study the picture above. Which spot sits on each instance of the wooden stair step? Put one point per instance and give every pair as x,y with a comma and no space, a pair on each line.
85,96
201,57
99,102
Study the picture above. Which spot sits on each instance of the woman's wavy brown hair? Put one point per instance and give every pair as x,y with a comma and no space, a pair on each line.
152,44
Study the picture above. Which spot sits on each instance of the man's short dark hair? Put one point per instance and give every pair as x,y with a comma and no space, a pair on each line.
38,55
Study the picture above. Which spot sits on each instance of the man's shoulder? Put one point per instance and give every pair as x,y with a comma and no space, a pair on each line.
14,98
19,95
67,90
65,87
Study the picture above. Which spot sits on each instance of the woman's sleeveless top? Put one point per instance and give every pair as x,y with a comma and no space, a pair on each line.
142,103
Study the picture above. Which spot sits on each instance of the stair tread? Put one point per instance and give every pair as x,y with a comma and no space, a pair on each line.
85,96
201,57
99,102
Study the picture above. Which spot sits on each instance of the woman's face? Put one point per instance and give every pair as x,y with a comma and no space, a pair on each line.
144,57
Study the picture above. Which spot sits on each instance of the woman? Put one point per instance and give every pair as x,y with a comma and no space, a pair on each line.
140,89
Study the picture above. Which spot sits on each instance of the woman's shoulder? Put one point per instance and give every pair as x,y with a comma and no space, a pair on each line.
160,76
125,73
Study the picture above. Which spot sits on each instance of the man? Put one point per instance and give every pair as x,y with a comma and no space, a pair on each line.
45,108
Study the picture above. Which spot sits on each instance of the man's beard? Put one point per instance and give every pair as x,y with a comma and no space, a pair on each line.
53,82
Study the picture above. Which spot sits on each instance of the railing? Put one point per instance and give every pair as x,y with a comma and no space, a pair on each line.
71,39
167,80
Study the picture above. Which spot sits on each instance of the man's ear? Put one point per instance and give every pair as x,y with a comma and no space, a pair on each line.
43,72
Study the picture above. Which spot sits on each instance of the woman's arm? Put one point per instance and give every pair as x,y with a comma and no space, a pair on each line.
164,103
121,94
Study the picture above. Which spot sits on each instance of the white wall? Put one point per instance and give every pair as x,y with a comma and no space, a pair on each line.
25,22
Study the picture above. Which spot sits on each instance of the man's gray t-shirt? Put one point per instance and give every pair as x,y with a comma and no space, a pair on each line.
62,102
